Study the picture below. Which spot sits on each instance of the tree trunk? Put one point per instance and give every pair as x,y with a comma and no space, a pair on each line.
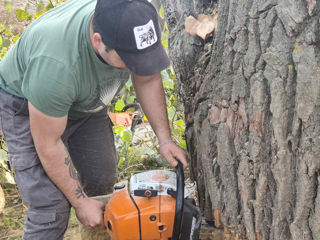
252,112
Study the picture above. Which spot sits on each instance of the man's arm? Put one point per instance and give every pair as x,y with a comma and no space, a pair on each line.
55,159
150,93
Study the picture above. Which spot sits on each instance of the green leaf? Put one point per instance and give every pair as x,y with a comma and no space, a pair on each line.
8,5
161,12
126,136
168,84
180,123
7,32
121,161
29,18
183,144
119,105
21,15
118,129
49,6
130,99
171,112
1,41
164,41
15,38
129,83
36,15
2,27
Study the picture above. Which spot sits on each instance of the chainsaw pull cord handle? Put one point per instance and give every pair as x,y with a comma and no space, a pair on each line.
179,203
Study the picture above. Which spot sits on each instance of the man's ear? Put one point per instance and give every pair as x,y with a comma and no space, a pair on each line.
96,40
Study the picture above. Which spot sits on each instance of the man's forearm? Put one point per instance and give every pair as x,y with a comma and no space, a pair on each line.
152,99
58,165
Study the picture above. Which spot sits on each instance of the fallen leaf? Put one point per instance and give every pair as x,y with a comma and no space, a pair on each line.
203,26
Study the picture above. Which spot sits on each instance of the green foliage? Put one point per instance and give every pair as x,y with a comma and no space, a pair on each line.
23,15
7,38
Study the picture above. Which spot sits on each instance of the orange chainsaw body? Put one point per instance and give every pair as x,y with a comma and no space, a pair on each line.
121,216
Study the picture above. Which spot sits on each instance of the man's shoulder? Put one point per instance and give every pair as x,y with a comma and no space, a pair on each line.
63,24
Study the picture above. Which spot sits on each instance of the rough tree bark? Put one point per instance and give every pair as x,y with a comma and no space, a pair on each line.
252,110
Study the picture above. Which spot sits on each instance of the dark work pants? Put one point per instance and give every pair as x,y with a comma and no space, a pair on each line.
91,146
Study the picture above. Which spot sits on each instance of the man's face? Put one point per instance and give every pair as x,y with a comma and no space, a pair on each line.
111,57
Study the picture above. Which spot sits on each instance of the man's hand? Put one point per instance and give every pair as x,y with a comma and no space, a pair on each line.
90,212
173,153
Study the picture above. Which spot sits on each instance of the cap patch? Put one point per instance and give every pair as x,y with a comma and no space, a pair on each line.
145,35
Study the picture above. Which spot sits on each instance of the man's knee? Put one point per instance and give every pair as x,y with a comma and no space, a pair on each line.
101,185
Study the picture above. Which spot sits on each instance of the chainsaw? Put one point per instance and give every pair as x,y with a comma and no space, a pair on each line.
152,207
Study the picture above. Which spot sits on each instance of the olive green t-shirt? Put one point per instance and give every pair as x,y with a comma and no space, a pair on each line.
54,66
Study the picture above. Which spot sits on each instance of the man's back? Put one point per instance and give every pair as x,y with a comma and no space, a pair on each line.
54,66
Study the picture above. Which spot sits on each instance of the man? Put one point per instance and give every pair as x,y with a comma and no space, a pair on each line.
55,84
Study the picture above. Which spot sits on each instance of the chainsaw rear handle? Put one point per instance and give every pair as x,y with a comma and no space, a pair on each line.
179,203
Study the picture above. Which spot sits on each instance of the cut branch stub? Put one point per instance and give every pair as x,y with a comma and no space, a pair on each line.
203,26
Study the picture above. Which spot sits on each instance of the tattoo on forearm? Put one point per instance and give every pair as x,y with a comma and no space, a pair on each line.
72,171
73,174
80,192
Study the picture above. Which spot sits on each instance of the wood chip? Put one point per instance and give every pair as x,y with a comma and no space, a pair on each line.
2,200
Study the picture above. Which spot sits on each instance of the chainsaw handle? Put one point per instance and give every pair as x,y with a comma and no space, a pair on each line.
179,203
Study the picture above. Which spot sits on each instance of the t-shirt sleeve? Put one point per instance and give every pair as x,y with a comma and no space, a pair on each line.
49,86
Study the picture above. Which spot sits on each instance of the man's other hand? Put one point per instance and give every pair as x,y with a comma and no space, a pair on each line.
173,153
90,212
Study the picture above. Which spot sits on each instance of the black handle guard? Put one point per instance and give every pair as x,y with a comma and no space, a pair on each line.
179,203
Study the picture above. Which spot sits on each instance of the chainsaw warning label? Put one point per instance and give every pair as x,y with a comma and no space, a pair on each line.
160,177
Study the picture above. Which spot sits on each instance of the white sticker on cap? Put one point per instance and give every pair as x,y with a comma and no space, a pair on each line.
145,35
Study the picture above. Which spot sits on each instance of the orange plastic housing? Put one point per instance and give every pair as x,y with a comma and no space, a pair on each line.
121,216
121,119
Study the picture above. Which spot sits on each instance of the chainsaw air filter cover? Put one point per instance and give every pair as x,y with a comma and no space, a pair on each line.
147,210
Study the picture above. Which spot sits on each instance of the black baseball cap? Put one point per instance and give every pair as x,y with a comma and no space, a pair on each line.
131,28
